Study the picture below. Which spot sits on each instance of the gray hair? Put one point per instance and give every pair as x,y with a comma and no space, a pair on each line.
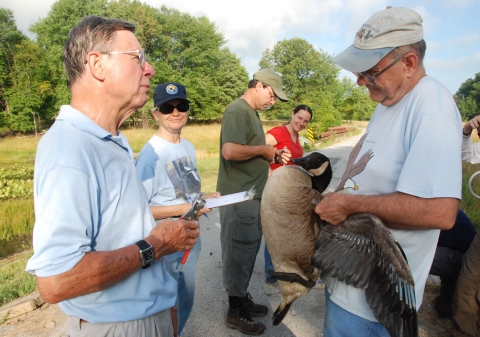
417,48
92,33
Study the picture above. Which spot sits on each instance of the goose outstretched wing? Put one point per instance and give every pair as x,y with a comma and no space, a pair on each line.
363,253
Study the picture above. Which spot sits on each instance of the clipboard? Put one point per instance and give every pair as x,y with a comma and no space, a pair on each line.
230,198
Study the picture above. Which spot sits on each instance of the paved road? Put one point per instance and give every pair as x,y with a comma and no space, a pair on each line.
305,318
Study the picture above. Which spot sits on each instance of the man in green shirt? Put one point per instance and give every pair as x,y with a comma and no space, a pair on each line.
244,163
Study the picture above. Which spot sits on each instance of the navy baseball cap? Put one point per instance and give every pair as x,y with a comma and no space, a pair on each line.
167,91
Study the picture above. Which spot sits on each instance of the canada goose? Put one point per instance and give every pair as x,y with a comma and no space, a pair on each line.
360,252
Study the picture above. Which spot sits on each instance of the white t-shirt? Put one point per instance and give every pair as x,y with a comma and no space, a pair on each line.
412,147
151,166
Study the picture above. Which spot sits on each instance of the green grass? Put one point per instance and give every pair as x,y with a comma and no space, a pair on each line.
14,281
208,170
470,204
16,218
18,150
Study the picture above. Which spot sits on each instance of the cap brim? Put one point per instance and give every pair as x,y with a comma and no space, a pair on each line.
160,102
357,60
280,94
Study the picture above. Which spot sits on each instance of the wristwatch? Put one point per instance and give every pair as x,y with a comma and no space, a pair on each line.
147,254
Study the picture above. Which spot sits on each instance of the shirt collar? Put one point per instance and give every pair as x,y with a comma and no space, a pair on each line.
85,124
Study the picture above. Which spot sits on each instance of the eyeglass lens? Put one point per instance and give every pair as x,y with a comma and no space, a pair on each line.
371,79
168,108
142,57
272,94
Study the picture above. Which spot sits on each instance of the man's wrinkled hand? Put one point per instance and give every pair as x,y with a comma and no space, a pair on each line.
330,208
171,236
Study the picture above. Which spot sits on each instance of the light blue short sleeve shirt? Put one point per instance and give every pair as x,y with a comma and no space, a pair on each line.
89,197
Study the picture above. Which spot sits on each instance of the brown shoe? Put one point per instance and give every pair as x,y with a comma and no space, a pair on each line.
239,319
253,309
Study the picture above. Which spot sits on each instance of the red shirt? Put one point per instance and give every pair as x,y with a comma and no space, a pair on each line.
283,137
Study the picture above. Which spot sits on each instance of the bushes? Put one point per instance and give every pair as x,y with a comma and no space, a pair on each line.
16,201
16,182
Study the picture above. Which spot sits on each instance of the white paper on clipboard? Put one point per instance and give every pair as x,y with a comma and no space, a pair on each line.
229,199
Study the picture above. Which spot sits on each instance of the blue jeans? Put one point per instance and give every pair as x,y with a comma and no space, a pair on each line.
185,276
341,323
268,266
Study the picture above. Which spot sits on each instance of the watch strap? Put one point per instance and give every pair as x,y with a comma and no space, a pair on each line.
146,253
142,244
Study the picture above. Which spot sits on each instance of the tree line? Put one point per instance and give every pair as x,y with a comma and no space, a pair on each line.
468,98
181,48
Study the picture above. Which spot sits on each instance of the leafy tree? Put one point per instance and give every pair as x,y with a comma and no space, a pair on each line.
179,46
468,97
10,37
51,33
309,77
468,107
31,93
190,50
356,103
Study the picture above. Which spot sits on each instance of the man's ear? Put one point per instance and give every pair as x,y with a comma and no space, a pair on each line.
411,64
94,61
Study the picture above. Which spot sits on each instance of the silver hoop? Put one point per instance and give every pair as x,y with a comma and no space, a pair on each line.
470,184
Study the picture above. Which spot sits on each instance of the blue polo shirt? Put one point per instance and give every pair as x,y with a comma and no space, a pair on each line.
89,197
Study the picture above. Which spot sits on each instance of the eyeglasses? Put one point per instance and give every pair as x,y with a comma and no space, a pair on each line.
370,80
167,109
141,55
273,97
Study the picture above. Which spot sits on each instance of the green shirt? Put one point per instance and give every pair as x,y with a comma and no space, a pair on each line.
241,125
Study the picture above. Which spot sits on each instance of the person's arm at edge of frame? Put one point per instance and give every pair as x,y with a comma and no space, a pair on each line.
470,150
397,210
98,271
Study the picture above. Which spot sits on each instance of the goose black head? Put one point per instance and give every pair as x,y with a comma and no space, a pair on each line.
319,166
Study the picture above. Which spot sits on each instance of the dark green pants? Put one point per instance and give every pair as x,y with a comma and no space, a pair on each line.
241,236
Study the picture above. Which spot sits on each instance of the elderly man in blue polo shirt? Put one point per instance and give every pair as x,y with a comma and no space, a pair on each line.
97,249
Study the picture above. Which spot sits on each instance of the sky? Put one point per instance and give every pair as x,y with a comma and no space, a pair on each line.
451,27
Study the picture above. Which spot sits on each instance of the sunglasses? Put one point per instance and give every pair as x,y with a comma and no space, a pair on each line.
168,108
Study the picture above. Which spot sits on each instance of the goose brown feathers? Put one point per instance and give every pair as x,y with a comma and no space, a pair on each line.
360,252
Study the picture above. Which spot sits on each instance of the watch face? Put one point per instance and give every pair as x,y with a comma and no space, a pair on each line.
148,255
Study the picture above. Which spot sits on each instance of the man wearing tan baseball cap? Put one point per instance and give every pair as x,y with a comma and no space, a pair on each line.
412,175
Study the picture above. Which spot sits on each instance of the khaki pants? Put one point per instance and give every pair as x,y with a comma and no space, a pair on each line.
158,325
467,293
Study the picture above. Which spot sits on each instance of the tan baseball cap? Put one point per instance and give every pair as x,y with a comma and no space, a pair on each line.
272,79
385,30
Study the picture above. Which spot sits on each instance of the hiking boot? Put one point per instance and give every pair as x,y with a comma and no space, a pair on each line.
239,319
253,309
